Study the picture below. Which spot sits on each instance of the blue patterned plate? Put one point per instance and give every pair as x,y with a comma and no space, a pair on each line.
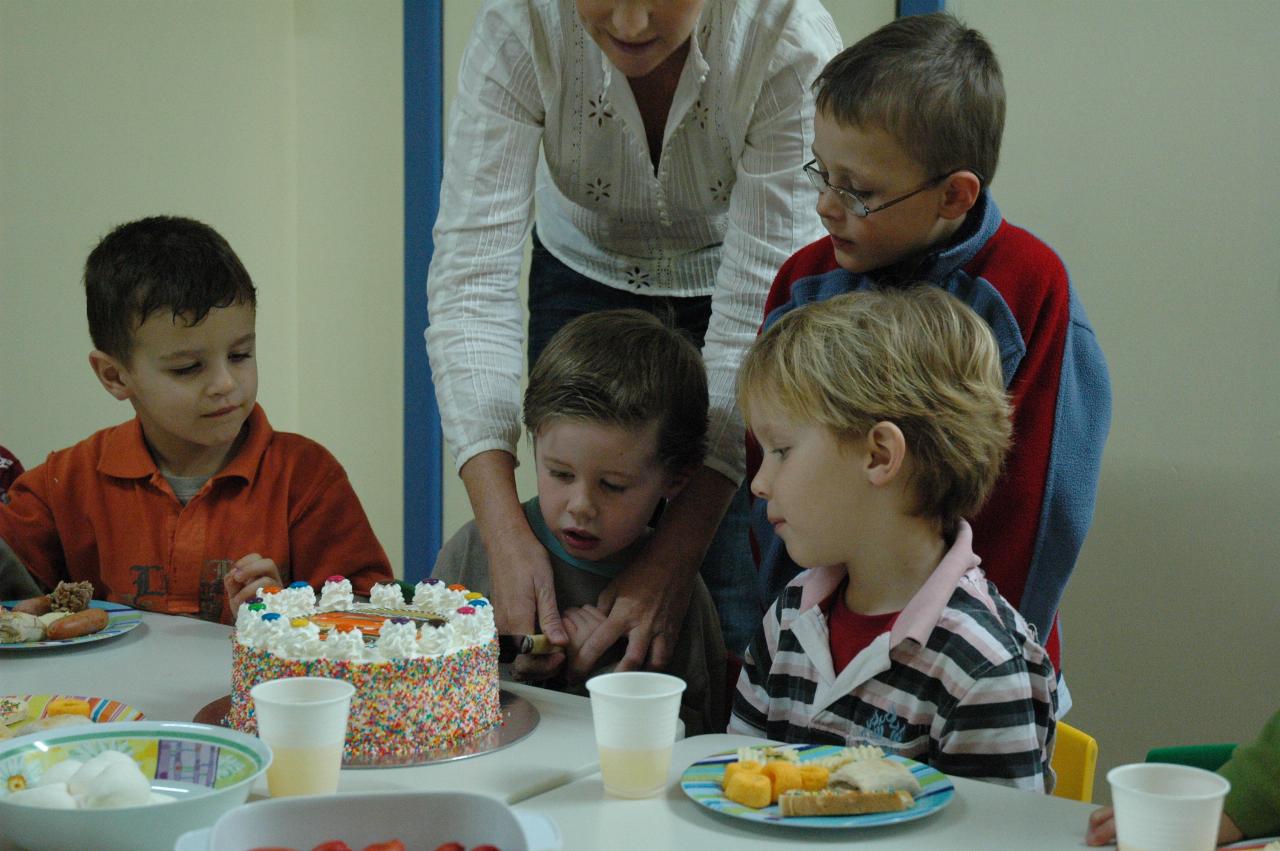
120,619
701,782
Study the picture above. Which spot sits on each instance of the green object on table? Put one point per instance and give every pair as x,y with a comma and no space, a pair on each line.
1210,757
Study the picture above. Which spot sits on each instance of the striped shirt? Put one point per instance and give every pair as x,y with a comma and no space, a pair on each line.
959,681
545,130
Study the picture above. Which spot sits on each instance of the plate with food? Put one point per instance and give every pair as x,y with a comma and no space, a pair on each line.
66,616
822,786
21,714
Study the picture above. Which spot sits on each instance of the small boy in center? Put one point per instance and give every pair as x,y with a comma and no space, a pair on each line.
617,410
883,423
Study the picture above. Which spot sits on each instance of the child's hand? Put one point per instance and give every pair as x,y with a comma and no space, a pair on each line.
1102,827
247,575
580,623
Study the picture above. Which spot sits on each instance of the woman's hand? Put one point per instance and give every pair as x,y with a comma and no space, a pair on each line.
247,576
520,581
647,601
1102,828
524,596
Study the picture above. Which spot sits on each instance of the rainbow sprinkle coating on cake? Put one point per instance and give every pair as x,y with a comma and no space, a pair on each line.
425,672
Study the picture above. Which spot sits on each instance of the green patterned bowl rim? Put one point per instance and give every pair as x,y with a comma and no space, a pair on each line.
250,748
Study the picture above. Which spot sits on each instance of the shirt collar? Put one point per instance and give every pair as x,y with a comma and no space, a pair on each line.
922,612
125,454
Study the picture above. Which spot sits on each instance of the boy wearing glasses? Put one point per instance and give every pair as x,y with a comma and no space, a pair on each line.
906,140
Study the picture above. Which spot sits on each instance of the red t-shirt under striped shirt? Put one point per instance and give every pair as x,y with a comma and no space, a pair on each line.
849,631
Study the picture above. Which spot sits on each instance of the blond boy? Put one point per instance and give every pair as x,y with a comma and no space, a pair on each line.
883,423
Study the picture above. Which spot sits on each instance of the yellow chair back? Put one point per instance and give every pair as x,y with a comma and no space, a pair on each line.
1075,755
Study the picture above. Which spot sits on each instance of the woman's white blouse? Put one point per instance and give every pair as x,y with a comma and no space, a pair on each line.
545,129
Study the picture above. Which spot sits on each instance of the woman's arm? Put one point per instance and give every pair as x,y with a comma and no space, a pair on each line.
475,337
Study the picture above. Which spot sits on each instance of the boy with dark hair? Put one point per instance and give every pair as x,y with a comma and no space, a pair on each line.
196,503
884,422
906,141
617,410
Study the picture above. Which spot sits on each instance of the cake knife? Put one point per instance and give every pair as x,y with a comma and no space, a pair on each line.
511,646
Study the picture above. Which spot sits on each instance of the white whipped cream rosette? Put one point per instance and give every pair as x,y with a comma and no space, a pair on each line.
387,596
437,640
398,640
347,645
302,641
260,631
291,602
422,593
471,627
337,595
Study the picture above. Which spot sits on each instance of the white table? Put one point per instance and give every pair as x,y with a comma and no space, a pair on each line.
171,667
981,817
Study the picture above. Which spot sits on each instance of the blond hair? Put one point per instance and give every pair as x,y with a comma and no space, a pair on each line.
932,83
624,368
916,357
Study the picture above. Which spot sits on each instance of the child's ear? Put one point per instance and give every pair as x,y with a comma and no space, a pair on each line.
113,377
960,194
676,482
886,450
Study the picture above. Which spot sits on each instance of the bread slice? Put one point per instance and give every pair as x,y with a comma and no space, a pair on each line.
875,775
830,802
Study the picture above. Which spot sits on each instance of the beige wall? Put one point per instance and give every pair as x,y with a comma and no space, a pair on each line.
279,123
1140,144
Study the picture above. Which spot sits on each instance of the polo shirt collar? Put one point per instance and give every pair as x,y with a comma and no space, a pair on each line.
916,621
125,454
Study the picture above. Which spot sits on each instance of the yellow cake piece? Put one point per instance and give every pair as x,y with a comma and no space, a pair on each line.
813,777
68,706
783,776
747,766
751,789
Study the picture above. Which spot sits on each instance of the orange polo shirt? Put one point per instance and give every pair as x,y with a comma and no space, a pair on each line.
101,511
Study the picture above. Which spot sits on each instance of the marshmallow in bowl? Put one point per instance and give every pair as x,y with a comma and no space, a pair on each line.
54,796
110,779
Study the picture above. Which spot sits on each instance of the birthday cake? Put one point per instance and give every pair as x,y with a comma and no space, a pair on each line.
425,671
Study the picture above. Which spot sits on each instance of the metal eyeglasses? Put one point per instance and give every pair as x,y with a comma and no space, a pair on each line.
851,200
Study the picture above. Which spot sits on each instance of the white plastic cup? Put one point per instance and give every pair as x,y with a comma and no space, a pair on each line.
304,722
1166,807
635,714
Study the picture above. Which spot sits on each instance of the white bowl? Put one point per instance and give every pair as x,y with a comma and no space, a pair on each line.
209,770
418,819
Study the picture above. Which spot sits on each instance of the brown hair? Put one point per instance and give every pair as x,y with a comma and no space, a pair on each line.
162,263
932,83
916,357
624,368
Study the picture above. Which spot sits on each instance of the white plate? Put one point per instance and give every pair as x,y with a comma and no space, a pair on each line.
120,619
701,782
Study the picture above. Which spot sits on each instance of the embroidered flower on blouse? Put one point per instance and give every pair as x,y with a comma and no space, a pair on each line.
600,110
637,277
704,33
598,189
701,113
720,191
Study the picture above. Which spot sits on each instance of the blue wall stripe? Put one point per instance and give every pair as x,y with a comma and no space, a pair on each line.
423,161
919,7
